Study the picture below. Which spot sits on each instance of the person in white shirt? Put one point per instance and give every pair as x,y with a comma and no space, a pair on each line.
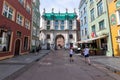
71,54
86,55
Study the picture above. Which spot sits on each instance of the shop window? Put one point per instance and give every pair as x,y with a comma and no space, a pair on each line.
5,37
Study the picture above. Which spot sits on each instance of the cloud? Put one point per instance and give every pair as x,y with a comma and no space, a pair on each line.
59,5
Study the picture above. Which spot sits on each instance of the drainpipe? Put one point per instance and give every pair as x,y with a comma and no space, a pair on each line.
109,28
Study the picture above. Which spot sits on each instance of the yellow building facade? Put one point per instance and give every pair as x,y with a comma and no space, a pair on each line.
114,20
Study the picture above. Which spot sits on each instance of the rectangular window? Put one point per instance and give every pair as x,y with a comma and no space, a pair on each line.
81,23
101,25
85,31
70,27
85,20
81,13
28,8
70,21
18,34
62,27
118,17
34,17
48,22
93,28
100,8
34,31
82,33
19,19
48,36
62,22
56,27
71,36
48,27
27,24
8,11
56,22
84,10
92,14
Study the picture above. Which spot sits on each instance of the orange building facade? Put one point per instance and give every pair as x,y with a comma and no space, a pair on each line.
114,19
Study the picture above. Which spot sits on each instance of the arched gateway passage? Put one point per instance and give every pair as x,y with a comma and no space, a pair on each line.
59,41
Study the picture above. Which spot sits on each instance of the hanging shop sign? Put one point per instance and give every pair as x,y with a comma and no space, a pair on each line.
113,19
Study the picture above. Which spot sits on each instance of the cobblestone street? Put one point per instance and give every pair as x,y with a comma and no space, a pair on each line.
56,66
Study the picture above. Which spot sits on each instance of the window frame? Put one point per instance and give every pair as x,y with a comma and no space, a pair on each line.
8,11
103,26
18,21
100,8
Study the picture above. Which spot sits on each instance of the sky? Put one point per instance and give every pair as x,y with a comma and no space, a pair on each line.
59,5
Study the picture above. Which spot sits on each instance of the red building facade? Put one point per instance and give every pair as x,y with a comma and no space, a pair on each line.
15,27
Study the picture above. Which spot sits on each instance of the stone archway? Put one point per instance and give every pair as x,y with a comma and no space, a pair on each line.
59,41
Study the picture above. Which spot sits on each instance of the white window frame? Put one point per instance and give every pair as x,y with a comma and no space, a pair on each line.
9,10
28,8
19,19
118,17
27,24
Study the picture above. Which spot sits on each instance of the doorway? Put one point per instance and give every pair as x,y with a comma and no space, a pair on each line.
17,47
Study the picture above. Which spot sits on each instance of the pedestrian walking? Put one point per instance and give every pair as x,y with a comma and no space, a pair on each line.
71,54
37,50
86,55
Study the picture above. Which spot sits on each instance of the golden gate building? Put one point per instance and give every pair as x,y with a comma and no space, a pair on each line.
58,30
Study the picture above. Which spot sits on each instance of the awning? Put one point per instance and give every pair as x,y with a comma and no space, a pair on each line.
89,40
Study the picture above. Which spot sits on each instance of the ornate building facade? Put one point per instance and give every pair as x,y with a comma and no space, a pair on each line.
58,30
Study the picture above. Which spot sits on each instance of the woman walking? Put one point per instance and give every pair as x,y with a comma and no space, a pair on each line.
86,55
71,54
